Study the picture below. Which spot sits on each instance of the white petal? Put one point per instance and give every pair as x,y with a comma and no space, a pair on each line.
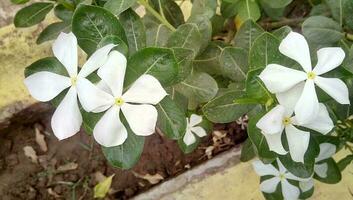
322,123
282,169
275,143
264,169
44,86
195,120
289,98
65,50
306,185
96,60
145,89
199,131
113,72
269,185
141,118
307,107
103,86
67,119
298,142
109,131
334,87
321,170
289,191
328,59
91,97
326,151
295,46
280,79
272,122
189,138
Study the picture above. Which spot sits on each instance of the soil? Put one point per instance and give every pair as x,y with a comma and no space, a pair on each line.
20,178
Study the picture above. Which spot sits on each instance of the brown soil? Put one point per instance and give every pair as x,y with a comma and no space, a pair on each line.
20,178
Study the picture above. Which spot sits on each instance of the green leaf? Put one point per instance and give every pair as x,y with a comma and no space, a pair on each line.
19,1
248,9
209,60
274,13
247,151
282,32
204,7
118,6
50,64
247,34
52,31
62,13
255,89
91,24
186,36
198,86
102,188
277,3
348,13
234,63
32,14
229,10
224,109
337,9
333,173
134,29
184,58
169,10
344,162
186,149
204,26
157,34
322,30
112,39
158,62
171,119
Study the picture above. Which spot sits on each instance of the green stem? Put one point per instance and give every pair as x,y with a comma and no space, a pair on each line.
349,36
156,14
283,22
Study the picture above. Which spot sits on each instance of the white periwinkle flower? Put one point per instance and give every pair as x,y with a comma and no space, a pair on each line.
327,150
281,175
192,128
45,85
136,103
279,79
281,118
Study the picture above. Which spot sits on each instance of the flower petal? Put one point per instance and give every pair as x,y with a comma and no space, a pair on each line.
322,123
67,119
145,89
282,169
113,72
334,87
295,46
321,170
307,106
289,98
280,79
264,169
96,60
189,138
272,122
103,86
44,86
298,142
306,185
65,50
269,185
275,143
199,131
328,59
289,191
141,118
195,120
109,131
91,97
326,151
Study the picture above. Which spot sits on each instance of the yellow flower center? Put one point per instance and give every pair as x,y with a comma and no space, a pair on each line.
311,75
119,101
73,80
287,121
282,177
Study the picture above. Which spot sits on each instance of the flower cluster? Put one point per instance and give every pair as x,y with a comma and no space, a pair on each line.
136,104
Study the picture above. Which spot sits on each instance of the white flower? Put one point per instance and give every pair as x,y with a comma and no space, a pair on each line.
135,103
306,185
279,79
281,175
192,128
45,85
327,150
280,118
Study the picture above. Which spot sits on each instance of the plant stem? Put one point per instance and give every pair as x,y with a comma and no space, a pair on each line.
283,22
349,36
156,14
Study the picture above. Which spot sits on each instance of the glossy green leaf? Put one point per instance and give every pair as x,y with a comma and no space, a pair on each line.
255,89
248,9
118,6
134,29
277,3
184,59
52,31
204,26
247,151
50,64
337,9
348,13
229,10
209,60
247,34
63,13
169,10
32,14
344,162
204,7
333,172
156,34
91,24
112,39
234,63
282,32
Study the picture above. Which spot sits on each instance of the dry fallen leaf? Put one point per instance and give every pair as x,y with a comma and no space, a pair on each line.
52,193
102,188
30,153
40,139
208,151
153,179
67,167
99,176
